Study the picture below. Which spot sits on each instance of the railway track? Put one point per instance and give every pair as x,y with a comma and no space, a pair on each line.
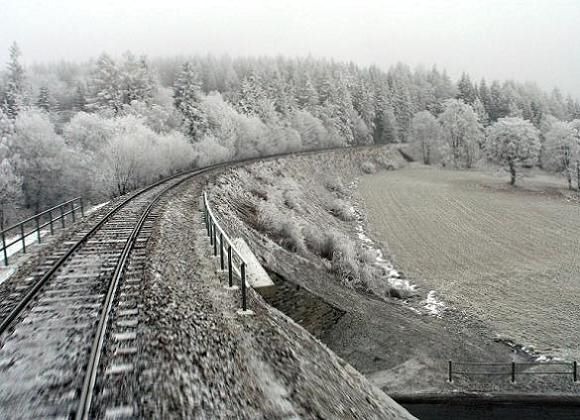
79,303
52,338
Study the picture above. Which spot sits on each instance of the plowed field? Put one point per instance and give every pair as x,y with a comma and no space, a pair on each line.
508,256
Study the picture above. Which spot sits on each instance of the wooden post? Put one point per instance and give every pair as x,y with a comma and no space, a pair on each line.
4,249
51,224
214,241
222,251
243,272
513,372
72,206
38,230
450,371
82,207
62,216
575,370
230,268
578,174
23,238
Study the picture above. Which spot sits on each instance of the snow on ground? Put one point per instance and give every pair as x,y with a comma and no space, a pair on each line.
256,275
431,303
96,207
17,247
6,272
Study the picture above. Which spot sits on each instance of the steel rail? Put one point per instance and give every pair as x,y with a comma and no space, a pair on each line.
7,321
96,349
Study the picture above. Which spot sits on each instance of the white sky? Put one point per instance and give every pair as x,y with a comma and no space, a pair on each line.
525,40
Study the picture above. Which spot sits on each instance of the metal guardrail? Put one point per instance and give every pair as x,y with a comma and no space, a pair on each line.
511,369
34,224
219,239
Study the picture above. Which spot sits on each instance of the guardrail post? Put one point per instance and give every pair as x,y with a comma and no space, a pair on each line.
72,206
210,232
23,238
38,230
575,371
62,216
230,268
214,241
243,273
206,217
51,224
82,207
450,371
513,372
4,249
222,251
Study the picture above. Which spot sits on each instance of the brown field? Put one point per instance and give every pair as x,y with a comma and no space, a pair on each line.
510,256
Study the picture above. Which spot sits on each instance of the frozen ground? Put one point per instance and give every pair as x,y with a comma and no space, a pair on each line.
509,256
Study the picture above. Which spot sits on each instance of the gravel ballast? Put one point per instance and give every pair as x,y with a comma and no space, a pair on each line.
201,359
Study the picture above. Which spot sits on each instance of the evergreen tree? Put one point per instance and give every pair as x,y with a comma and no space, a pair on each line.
136,81
484,96
306,95
187,100
43,101
106,86
79,101
466,91
14,95
390,128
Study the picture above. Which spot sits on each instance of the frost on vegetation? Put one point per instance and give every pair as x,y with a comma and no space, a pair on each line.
340,209
368,167
303,214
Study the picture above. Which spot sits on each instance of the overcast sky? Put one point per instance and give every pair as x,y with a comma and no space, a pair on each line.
533,40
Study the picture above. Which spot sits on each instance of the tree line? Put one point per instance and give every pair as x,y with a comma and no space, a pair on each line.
106,126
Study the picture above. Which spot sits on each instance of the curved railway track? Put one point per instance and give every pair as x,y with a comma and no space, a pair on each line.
47,366
70,305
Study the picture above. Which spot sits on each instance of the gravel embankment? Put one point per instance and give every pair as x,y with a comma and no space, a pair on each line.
206,361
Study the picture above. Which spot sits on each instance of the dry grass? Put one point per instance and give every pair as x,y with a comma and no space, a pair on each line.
511,256
304,206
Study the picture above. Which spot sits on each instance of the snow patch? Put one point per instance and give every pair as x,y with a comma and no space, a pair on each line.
255,273
433,305
6,273
17,247
96,207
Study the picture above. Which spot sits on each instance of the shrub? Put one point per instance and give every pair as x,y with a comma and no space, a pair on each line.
368,167
340,209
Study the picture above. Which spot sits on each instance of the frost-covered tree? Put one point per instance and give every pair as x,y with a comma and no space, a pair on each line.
14,94
88,132
41,158
106,86
137,83
466,91
461,133
10,188
187,98
390,127
513,142
43,101
424,136
561,150
10,182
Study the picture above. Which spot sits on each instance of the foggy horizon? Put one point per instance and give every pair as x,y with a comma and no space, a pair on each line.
521,41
